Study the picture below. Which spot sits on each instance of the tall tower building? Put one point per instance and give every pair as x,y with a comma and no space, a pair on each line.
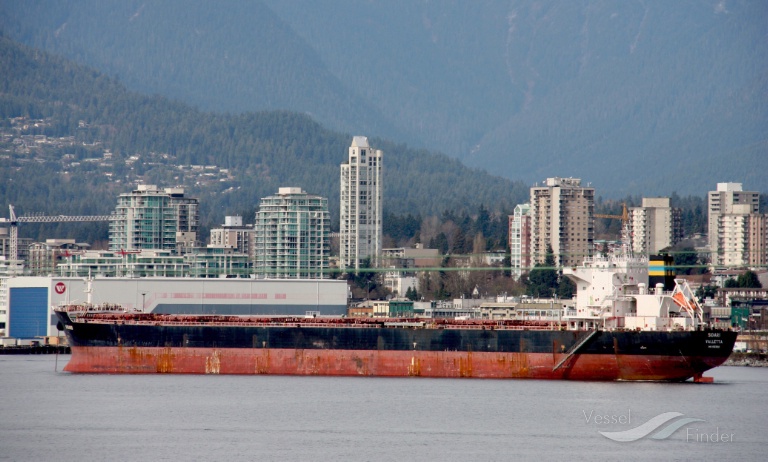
152,218
520,240
655,226
562,217
729,223
360,230
292,236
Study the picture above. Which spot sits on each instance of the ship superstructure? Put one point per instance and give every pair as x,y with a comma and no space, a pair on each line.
612,292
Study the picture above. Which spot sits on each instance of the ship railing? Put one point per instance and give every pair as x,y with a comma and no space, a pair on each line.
85,308
155,322
547,328
161,321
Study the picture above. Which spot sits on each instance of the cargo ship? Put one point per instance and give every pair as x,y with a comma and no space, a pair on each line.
619,329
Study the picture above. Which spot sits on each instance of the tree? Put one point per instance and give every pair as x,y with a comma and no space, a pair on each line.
459,242
749,280
442,291
440,242
566,288
506,263
542,279
687,261
411,294
707,291
365,279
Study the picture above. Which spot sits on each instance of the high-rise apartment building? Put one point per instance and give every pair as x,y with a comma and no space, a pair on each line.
292,236
153,218
742,238
360,231
562,217
655,226
520,240
736,235
757,245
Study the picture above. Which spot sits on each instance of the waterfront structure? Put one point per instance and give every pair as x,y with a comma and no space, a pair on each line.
520,240
153,218
737,235
292,236
360,235
655,225
233,234
562,218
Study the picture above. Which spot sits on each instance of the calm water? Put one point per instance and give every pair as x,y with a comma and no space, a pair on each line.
45,415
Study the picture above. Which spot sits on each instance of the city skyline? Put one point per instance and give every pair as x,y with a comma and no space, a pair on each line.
649,235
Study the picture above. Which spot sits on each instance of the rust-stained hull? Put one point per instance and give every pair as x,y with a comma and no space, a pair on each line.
142,360
139,345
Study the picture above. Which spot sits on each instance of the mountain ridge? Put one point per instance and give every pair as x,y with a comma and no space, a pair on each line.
98,139
525,89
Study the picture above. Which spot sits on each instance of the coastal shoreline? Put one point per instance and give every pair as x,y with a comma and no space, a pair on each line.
747,359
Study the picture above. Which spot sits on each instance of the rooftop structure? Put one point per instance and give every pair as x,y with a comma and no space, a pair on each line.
233,234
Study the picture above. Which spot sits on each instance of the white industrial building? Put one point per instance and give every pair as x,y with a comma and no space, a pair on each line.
29,301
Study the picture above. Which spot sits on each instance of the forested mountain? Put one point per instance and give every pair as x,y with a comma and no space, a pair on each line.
74,139
642,98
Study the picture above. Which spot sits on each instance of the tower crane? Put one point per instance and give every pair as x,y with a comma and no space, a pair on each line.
14,221
626,232
624,217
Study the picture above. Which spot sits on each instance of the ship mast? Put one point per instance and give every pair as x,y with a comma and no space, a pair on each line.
626,234
88,289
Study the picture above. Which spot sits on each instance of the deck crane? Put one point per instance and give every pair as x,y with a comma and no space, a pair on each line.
14,221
